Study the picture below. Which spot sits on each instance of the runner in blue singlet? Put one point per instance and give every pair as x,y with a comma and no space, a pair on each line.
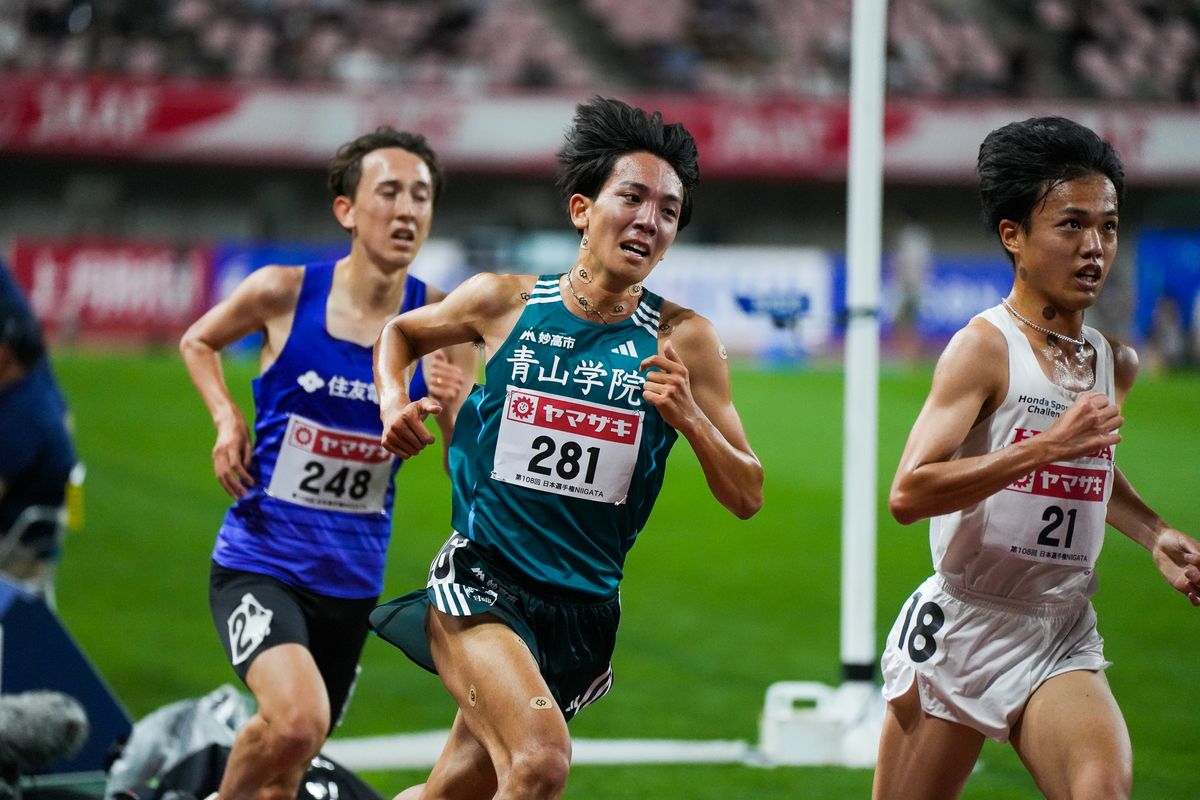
299,559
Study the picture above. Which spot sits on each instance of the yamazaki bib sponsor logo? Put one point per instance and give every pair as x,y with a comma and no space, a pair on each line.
1065,483
328,442
584,419
1059,480
1021,434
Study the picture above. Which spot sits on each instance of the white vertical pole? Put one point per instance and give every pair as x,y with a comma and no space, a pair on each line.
861,402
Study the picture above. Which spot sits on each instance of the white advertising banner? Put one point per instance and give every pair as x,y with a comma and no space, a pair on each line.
767,302
770,138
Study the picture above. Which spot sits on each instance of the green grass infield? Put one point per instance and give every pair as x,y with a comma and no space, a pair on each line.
714,609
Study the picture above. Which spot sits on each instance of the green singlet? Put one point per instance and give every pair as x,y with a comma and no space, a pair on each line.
556,461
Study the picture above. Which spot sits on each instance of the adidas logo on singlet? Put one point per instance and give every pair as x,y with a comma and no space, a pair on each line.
626,349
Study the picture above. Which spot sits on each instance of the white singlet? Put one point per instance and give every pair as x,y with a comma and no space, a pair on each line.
1037,540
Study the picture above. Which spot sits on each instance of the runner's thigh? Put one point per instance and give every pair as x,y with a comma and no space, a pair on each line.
1073,738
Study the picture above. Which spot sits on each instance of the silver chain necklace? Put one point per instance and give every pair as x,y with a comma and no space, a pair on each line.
1080,342
588,306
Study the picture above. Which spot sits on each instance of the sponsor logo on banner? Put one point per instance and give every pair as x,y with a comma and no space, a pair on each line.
771,137
108,115
113,290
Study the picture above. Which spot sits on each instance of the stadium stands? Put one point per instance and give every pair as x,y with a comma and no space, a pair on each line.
506,43
160,157
1107,49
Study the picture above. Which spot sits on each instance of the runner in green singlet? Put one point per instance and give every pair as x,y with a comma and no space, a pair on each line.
557,460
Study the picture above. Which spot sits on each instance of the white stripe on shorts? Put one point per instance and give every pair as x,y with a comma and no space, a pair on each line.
449,598
598,689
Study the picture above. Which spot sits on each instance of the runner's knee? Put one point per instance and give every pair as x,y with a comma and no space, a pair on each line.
1102,780
540,771
299,733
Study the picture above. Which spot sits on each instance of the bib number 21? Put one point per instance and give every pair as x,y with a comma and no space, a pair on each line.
1055,516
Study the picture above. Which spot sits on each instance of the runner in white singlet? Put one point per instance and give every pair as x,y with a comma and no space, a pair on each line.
1012,460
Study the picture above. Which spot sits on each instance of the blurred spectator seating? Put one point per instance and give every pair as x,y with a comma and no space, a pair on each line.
1122,49
802,47
473,43
1109,49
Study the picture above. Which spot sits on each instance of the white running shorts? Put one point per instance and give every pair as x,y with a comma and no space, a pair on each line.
977,660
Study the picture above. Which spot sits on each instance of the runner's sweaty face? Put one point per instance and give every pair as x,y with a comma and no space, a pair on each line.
1066,254
393,206
634,217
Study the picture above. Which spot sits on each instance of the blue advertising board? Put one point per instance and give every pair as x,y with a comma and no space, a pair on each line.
1168,268
956,288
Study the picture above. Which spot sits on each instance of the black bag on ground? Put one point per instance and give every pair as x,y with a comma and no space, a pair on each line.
178,752
199,774
169,734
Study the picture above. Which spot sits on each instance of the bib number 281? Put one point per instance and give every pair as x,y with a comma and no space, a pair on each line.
567,446
568,464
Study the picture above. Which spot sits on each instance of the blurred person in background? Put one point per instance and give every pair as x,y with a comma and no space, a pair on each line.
912,256
1167,287
1012,459
559,457
37,454
299,559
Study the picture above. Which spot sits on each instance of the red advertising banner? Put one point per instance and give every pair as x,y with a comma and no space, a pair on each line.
764,138
113,291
